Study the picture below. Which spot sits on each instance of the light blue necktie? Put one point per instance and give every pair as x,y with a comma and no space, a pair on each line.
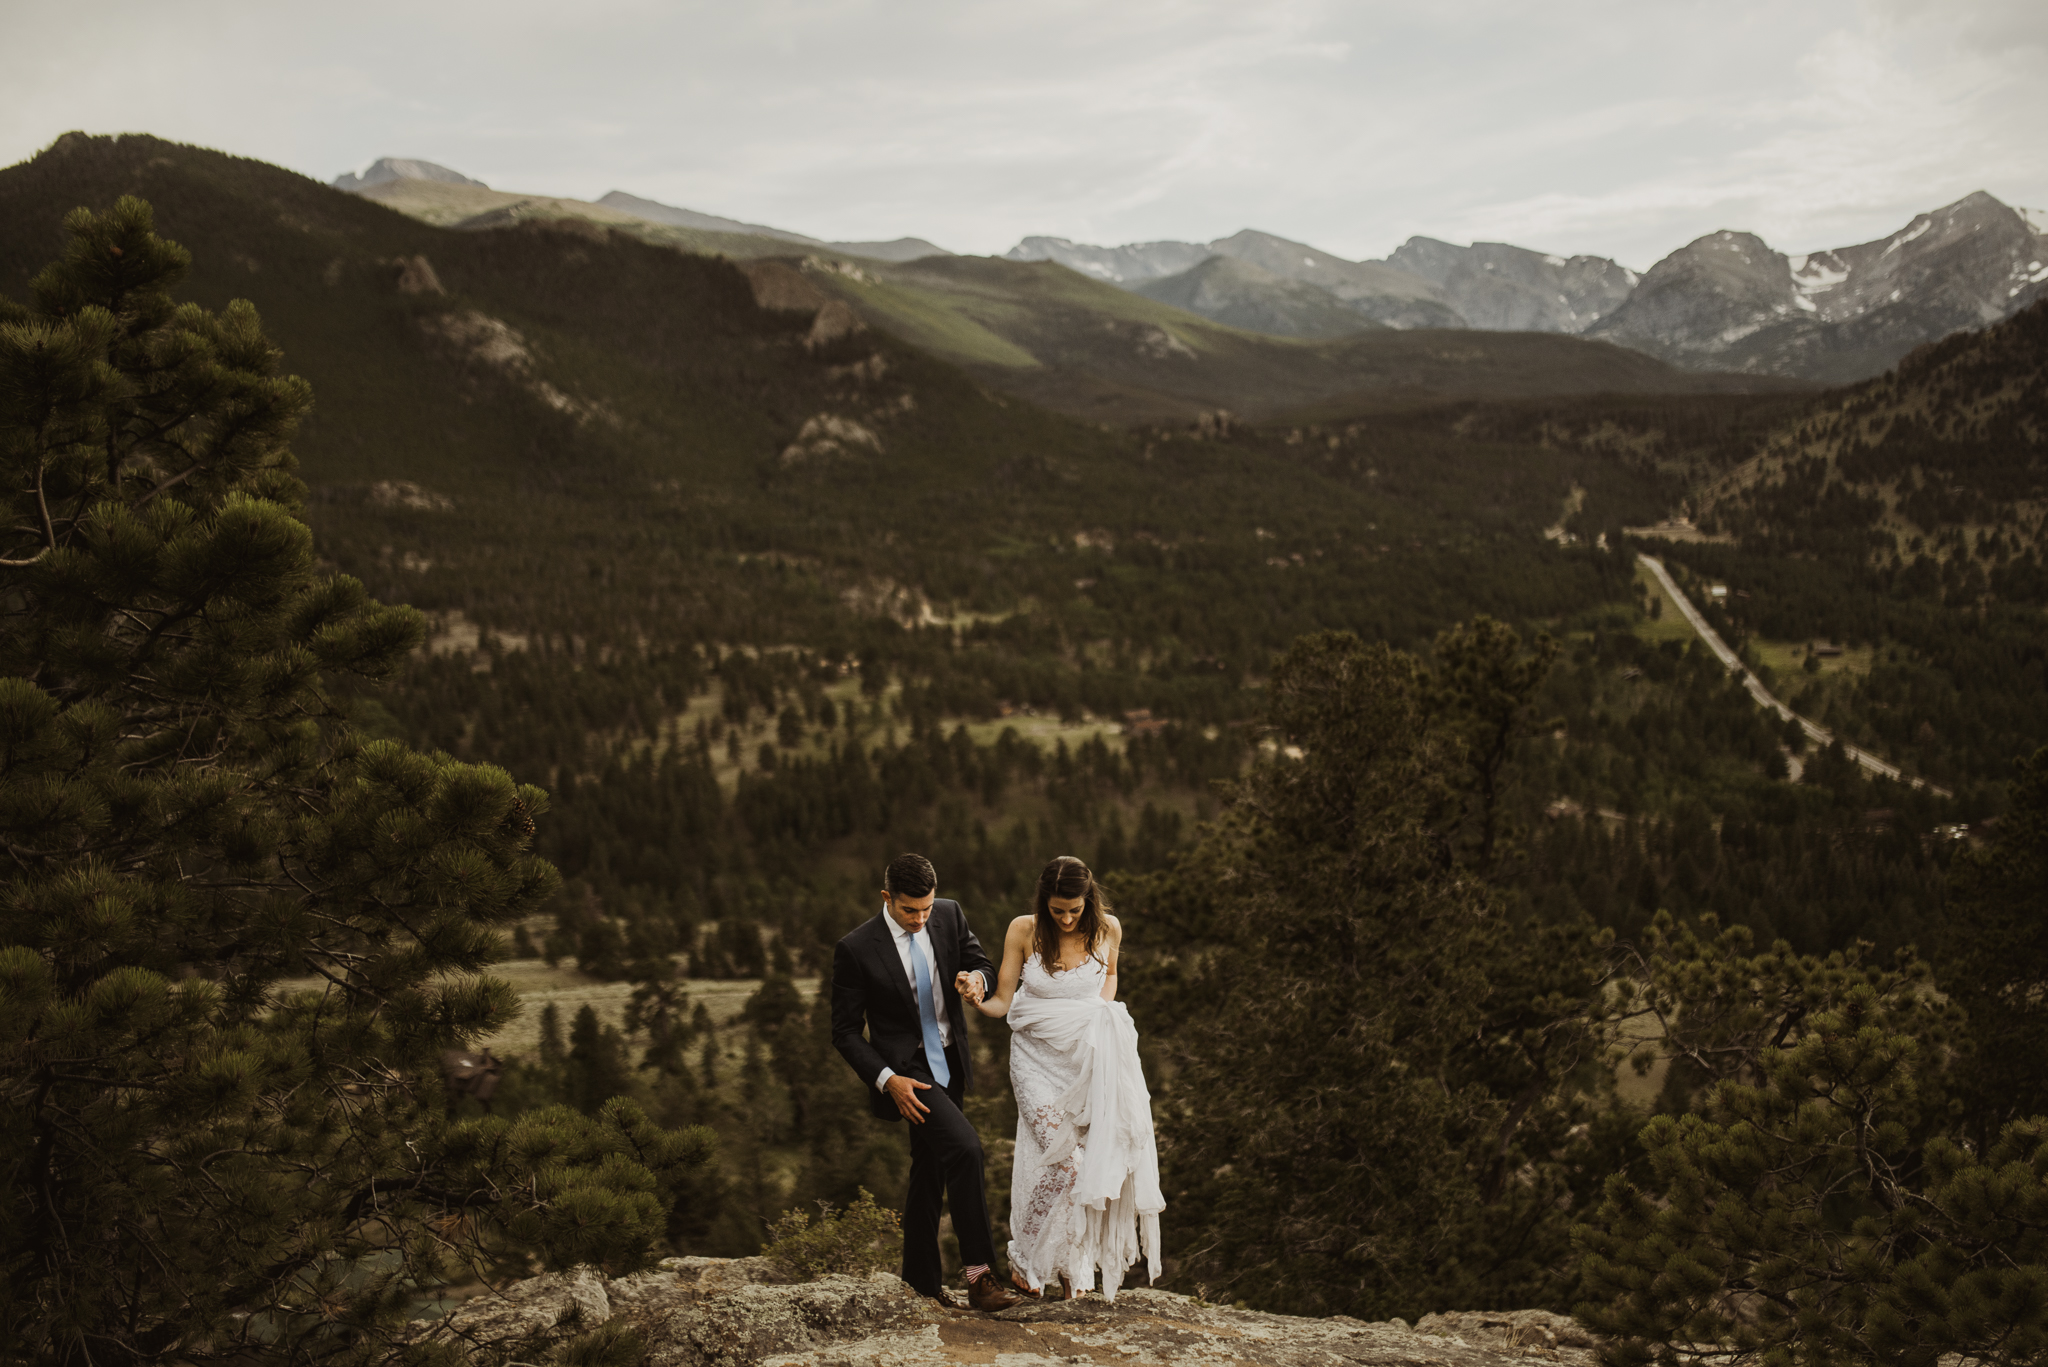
928,1012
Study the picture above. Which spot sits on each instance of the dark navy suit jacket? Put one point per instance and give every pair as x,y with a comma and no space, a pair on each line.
870,990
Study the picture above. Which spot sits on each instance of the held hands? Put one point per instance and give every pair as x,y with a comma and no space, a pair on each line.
903,1091
970,985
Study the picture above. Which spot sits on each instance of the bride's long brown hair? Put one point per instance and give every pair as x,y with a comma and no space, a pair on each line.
1066,877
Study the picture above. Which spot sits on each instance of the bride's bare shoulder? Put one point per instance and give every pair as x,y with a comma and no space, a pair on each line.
1113,926
1019,925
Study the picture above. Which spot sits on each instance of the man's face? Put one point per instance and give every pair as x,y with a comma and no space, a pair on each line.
911,912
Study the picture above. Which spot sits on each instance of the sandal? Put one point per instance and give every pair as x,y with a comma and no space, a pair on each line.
1024,1290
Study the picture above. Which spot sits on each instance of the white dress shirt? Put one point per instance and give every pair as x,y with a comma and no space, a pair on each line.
902,939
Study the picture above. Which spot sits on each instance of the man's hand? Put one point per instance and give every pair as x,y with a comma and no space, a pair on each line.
970,985
903,1091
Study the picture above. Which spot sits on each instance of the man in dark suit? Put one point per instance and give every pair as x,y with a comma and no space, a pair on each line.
899,976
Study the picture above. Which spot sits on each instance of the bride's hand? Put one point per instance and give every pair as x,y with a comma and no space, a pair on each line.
969,985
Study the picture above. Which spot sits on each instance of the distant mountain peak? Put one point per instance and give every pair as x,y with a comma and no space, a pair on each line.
384,170
1498,285
1127,265
654,211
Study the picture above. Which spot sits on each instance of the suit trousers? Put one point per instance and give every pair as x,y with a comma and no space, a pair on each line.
945,1162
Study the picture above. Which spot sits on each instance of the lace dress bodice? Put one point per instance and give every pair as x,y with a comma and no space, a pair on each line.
1083,980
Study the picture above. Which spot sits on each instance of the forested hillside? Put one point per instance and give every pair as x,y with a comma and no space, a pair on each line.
1905,516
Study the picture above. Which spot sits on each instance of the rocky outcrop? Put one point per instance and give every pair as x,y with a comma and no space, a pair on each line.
416,276
834,321
781,285
710,1312
497,345
829,434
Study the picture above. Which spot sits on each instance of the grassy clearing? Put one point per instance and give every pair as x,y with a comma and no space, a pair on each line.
570,991
875,721
1787,659
932,320
1639,1035
1669,623
1047,732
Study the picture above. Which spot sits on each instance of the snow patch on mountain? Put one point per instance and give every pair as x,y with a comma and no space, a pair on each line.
1915,230
1818,271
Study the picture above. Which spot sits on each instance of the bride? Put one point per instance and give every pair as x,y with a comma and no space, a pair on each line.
1084,1193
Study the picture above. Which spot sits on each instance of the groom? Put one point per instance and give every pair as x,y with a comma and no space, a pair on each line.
900,975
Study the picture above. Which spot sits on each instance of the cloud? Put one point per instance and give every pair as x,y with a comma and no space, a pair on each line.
1587,125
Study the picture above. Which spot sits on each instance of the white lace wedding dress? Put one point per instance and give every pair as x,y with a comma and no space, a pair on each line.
1084,1193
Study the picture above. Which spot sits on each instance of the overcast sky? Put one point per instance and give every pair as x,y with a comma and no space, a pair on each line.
1623,129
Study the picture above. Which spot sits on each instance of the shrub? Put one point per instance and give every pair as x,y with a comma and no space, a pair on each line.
860,1239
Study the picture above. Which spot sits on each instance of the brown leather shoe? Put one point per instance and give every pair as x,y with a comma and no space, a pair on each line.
988,1295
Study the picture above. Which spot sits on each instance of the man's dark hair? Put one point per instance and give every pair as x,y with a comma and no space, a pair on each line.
910,875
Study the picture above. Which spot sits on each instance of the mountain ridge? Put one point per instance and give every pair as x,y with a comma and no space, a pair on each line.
895,249
1091,349
1243,295
1731,301
1726,301
397,181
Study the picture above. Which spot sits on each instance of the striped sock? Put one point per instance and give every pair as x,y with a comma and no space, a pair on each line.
976,1273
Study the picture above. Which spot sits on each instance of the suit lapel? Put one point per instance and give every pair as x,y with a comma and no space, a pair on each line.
949,953
946,941
885,960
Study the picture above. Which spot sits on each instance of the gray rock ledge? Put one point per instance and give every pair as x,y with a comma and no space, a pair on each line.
718,1312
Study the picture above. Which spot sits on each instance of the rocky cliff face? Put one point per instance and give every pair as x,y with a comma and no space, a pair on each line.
711,1312
1512,289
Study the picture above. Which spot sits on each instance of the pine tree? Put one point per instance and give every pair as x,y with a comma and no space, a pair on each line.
656,1007
776,1013
1993,959
1368,1054
598,1068
1818,1206
1484,685
234,936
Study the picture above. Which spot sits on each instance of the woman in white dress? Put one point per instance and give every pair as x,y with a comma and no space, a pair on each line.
1084,1191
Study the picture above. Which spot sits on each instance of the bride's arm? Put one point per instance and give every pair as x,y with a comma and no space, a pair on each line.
1116,942
1016,944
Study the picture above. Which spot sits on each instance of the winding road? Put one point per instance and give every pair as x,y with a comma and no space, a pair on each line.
1815,732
